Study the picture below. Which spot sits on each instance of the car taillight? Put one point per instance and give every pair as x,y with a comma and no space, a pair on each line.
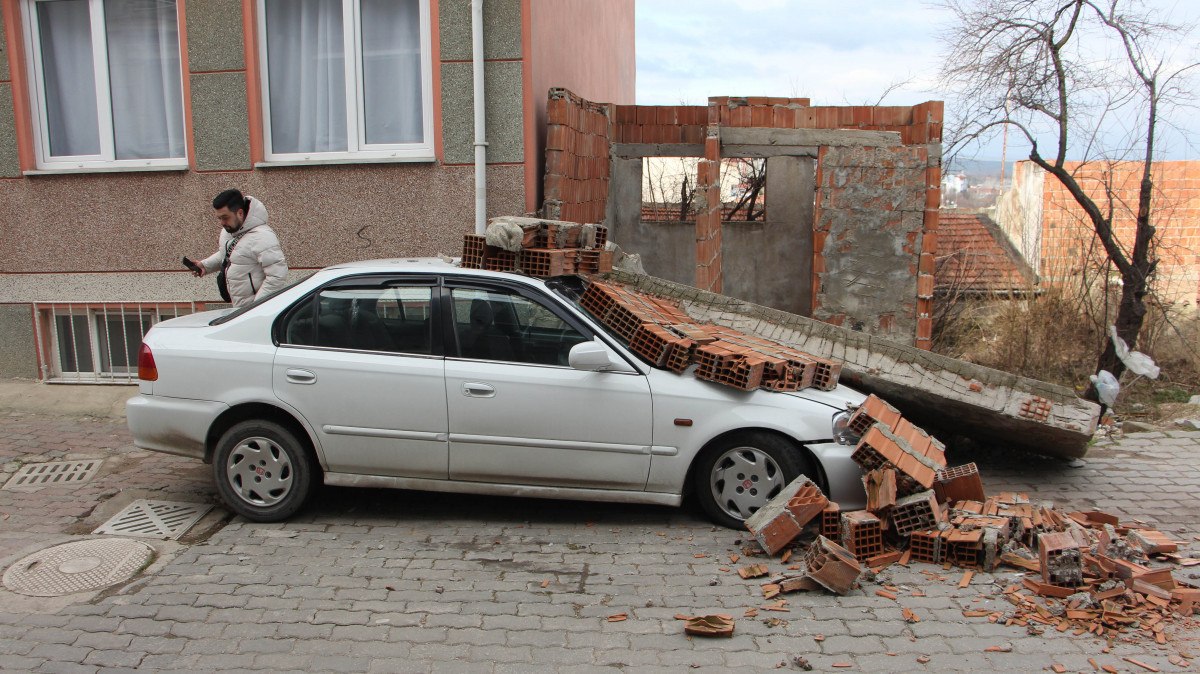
147,371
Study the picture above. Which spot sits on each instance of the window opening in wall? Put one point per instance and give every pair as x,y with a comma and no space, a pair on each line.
107,83
744,189
97,342
669,189
346,79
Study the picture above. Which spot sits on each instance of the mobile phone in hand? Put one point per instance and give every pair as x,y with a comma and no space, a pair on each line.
191,265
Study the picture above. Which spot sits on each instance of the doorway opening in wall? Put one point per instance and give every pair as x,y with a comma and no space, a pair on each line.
96,342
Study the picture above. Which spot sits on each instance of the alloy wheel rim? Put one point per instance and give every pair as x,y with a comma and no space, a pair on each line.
743,480
259,471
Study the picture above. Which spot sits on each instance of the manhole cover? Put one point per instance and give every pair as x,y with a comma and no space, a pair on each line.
78,567
154,519
38,475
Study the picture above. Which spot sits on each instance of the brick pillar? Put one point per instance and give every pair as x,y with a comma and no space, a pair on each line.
708,220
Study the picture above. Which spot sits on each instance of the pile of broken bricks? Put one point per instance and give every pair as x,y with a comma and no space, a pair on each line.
662,333
539,248
1090,572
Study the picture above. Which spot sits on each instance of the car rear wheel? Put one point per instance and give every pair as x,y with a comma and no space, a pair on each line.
738,475
262,471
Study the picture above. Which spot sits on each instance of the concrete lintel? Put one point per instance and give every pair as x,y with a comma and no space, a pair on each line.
639,150
764,151
836,137
635,150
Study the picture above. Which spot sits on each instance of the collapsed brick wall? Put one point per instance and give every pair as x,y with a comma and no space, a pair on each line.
577,162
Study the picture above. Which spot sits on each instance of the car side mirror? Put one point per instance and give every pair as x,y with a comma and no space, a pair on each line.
590,356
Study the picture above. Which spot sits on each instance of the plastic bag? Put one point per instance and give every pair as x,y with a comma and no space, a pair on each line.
505,235
1136,361
1107,387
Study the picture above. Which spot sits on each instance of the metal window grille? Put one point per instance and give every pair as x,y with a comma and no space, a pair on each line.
97,342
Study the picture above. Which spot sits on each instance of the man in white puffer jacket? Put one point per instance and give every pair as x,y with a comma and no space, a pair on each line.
248,249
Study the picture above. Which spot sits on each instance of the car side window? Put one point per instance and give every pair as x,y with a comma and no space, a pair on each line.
393,319
505,326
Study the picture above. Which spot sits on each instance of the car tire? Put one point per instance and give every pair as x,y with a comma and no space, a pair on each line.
262,471
738,474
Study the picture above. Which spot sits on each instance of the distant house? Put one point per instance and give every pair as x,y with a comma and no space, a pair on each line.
1050,230
351,120
974,258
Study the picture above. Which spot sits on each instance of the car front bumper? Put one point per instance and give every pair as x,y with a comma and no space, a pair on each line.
843,476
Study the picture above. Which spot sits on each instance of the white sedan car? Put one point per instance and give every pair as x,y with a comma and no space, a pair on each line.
418,374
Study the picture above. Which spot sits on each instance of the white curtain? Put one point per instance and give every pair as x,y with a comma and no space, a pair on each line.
144,75
306,75
391,37
69,76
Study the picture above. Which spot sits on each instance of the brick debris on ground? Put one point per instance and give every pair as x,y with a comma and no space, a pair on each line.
372,580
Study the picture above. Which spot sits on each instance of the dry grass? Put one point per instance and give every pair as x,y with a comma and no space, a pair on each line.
1057,336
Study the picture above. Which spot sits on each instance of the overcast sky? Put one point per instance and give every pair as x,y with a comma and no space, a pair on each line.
836,53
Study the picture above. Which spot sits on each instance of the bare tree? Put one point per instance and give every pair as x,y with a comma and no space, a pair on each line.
1061,73
751,177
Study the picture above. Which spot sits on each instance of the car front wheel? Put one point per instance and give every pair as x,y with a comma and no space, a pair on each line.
740,474
262,471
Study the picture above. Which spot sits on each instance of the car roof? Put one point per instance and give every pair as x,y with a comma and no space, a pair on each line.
418,265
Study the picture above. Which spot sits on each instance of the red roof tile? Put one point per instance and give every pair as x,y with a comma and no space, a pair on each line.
973,255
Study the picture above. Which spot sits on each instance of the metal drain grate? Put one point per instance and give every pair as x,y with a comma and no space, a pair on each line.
37,475
77,567
155,519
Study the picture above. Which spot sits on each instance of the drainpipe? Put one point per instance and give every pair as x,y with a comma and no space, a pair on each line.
480,117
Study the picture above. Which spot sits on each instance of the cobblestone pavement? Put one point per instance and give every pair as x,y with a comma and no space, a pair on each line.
372,580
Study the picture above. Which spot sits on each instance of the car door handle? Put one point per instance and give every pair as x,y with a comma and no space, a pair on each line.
301,377
478,389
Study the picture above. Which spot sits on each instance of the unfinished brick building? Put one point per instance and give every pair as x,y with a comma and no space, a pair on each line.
852,196
1051,231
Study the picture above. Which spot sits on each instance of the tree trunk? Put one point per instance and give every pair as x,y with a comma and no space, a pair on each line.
1131,313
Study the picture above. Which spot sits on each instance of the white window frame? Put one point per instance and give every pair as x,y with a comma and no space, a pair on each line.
355,108
107,157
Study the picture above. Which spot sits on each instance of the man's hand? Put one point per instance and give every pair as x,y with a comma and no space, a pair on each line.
199,272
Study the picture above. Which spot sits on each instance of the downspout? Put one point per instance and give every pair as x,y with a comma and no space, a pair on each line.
480,117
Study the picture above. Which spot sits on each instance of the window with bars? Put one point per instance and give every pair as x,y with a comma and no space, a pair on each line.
97,342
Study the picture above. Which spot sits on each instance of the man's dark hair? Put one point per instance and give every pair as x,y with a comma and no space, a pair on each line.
231,199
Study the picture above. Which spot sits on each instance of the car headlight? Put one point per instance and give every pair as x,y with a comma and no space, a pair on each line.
842,432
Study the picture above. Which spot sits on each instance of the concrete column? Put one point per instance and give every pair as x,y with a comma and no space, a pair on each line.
708,220
624,198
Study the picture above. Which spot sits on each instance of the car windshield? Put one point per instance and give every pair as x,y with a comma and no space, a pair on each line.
241,310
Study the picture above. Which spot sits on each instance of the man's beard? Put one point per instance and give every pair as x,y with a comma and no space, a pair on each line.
234,227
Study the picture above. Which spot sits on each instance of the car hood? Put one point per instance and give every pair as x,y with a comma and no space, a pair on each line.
196,320
840,398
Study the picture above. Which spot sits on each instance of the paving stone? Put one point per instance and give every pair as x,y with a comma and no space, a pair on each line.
251,586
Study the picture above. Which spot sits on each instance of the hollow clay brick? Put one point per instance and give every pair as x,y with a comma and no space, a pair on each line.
783,518
832,566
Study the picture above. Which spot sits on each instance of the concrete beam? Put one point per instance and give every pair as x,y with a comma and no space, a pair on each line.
639,150
809,137
632,150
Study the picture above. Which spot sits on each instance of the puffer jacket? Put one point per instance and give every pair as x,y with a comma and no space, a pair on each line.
257,267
